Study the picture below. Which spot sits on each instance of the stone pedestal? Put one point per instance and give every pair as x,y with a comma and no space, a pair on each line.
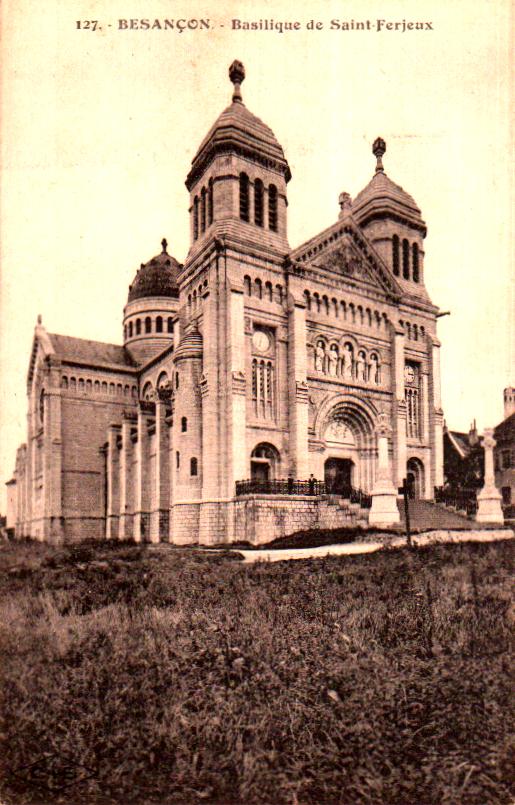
489,508
384,511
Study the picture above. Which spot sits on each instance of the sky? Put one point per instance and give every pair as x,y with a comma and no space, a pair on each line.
99,128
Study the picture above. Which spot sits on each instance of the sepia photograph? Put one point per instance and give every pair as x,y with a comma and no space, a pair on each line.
257,404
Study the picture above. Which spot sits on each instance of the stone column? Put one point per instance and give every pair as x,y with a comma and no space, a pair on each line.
52,467
125,494
489,508
297,390
384,511
141,518
160,529
236,419
399,407
437,414
113,482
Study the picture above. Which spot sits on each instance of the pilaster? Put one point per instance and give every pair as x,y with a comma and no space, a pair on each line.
297,390
399,407
125,495
113,482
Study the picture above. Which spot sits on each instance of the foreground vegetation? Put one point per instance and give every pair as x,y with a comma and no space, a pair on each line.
158,675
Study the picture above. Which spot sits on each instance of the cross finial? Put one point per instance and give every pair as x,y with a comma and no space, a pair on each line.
164,244
237,76
378,150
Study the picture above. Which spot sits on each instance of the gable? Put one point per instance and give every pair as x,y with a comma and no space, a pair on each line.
343,253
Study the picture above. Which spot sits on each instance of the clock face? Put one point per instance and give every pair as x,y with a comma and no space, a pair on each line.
409,374
260,341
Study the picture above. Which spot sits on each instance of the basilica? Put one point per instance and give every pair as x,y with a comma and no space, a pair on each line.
259,389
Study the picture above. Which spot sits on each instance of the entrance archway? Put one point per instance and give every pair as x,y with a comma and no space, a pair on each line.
264,462
338,475
415,478
345,425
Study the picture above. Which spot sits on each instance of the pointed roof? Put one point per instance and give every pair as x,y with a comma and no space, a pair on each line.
383,198
239,130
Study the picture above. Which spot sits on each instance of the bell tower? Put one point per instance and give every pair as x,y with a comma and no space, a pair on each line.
238,177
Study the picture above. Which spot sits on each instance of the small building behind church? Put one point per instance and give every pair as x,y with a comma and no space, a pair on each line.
255,381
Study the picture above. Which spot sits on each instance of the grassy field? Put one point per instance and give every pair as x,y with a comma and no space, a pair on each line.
159,675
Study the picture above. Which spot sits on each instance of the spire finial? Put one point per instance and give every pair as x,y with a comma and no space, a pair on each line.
237,76
378,150
164,244
40,318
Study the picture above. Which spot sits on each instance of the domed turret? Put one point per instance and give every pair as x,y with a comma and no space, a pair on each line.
238,176
152,306
392,221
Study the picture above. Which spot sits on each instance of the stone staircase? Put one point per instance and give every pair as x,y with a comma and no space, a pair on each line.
337,512
425,514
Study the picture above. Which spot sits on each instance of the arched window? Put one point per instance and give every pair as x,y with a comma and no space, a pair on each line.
279,294
104,387
258,202
126,391
272,208
96,386
259,288
244,197
162,380
112,388
195,218
203,210
405,259
193,467
81,384
159,324
325,300
125,332
334,303
316,299
268,291
138,327
263,389
264,462
89,386
210,203
64,382
184,424
119,389
42,406
148,324
414,259
146,394
307,297
177,459
247,284
170,324
395,255
130,329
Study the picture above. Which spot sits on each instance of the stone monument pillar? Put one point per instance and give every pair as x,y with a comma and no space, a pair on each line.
384,511
489,499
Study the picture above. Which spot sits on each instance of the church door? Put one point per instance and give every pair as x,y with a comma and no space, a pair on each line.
338,475
260,470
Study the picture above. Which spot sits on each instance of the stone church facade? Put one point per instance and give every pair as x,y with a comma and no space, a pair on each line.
244,371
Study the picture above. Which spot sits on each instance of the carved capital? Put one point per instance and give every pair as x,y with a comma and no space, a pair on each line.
238,383
301,391
383,424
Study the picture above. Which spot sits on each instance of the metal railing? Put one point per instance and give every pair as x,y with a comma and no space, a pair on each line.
460,499
290,486
280,486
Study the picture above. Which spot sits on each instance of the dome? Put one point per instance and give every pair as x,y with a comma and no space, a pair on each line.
239,129
383,198
158,277
190,345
